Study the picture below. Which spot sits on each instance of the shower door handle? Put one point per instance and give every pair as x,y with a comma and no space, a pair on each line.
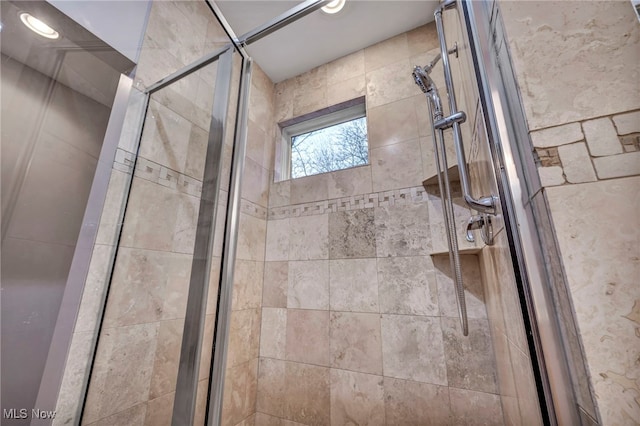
486,204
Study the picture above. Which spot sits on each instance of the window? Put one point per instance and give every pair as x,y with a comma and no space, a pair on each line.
325,141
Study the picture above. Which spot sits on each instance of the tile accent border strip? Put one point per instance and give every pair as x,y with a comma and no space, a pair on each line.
157,173
413,195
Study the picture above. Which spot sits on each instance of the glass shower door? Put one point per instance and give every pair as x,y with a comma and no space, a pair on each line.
507,318
164,246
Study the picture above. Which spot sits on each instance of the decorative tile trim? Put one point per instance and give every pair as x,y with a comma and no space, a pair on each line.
253,209
413,195
124,161
157,173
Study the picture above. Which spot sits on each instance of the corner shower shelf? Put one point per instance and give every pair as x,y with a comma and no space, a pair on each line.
432,181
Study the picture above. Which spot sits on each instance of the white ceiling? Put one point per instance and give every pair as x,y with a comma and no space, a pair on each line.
319,38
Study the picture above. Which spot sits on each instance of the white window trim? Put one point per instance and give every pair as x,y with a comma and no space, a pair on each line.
337,114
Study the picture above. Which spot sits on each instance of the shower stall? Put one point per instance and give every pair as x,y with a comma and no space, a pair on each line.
389,293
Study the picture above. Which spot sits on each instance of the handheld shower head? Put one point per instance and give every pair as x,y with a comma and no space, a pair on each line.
422,79
428,87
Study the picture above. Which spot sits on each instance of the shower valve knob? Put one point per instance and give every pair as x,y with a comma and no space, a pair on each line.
482,222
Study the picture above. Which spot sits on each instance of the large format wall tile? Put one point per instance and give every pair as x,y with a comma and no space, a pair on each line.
134,416
356,399
392,123
308,336
251,230
345,68
413,403
346,90
147,286
273,333
386,52
473,290
308,284
597,231
475,408
309,188
352,234
349,182
470,360
165,137
278,239
598,43
355,342
407,286
244,336
309,237
174,218
276,282
390,83
165,366
240,392
423,38
412,348
353,285
255,182
403,230
271,387
159,411
308,398
396,166
122,370
247,284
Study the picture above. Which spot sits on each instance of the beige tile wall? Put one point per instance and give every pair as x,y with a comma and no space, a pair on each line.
577,70
359,322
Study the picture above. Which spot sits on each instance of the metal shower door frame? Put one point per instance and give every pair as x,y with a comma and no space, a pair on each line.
198,286
506,121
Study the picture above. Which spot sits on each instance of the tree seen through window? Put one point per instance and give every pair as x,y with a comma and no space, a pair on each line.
332,148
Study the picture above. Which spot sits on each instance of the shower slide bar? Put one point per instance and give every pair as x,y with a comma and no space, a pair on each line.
439,123
438,126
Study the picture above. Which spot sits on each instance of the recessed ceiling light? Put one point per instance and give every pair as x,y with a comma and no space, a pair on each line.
38,27
334,7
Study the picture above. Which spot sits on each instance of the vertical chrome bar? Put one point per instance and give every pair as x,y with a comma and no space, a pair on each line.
187,383
449,217
223,317
484,204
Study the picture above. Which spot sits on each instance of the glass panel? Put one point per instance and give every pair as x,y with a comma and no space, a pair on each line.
136,366
332,148
514,371
138,353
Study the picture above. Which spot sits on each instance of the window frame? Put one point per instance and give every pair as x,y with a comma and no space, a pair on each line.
327,117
